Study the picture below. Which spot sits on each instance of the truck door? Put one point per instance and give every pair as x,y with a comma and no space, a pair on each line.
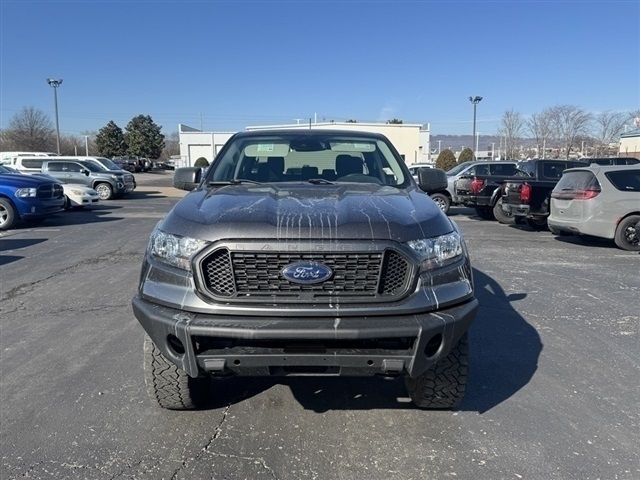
56,170
75,173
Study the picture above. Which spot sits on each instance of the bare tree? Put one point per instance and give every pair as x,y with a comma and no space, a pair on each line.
511,128
608,126
31,129
569,123
539,125
171,146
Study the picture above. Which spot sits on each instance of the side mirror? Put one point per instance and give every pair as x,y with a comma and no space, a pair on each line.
86,172
187,178
432,179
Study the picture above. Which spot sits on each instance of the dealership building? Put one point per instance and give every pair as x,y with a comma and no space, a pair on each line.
412,140
630,143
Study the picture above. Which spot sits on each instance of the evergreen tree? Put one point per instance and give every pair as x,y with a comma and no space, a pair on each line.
144,138
466,155
110,140
446,160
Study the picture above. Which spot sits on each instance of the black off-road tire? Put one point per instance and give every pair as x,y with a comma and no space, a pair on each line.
169,386
628,234
442,201
486,213
8,215
443,385
501,215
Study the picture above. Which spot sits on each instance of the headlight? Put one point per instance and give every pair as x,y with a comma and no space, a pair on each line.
173,249
25,192
439,251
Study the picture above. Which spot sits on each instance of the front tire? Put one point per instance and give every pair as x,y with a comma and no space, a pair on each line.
169,386
443,385
628,234
7,214
105,191
442,201
502,216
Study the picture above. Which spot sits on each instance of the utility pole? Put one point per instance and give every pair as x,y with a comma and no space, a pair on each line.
475,100
55,84
86,145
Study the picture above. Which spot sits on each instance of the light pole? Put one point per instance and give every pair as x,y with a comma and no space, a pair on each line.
55,84
475,100
86,145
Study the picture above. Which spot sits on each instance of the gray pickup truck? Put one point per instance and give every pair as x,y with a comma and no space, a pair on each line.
305,253
108,184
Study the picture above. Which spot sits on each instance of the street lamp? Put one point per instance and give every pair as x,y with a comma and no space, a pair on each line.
475,100
55,84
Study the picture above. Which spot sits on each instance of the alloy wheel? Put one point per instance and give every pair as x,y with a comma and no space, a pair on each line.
4,215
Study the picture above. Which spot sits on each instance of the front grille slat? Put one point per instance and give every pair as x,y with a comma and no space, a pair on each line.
50,190
251,275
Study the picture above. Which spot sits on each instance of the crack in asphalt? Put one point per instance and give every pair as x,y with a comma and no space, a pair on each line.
111,257
217,432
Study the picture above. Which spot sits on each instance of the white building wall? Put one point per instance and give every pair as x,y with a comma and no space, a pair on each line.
630,145
195,144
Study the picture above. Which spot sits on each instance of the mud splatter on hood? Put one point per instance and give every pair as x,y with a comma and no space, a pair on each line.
306,211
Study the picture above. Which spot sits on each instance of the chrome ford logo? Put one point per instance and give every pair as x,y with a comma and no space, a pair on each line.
307,273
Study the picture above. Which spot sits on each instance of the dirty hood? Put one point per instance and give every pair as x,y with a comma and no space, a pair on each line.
306,211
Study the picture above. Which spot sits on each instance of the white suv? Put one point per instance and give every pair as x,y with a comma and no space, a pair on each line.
603,201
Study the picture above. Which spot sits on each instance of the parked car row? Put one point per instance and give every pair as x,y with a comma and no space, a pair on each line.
546,193
133,164
33,187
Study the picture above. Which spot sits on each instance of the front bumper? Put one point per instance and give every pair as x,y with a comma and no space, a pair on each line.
32,208
261,346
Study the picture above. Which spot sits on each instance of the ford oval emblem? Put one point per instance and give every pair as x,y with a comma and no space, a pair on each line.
307,273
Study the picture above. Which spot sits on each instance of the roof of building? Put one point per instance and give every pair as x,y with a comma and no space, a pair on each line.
632,133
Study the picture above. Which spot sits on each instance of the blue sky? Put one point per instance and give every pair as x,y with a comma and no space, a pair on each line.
260,62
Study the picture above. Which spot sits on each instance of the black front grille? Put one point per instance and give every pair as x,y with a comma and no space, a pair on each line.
244,275
50,190
58,191
394,280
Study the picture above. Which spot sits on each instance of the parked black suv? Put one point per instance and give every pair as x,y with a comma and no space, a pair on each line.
306,253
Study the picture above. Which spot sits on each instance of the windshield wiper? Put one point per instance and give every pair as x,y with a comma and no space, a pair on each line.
320,181
235,181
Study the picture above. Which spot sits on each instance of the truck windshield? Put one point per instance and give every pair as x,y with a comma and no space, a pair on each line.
322,158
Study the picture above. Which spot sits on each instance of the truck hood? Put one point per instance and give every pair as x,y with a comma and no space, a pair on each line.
25,181
306,211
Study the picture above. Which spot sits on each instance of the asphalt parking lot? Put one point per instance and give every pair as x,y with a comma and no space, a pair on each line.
553,392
